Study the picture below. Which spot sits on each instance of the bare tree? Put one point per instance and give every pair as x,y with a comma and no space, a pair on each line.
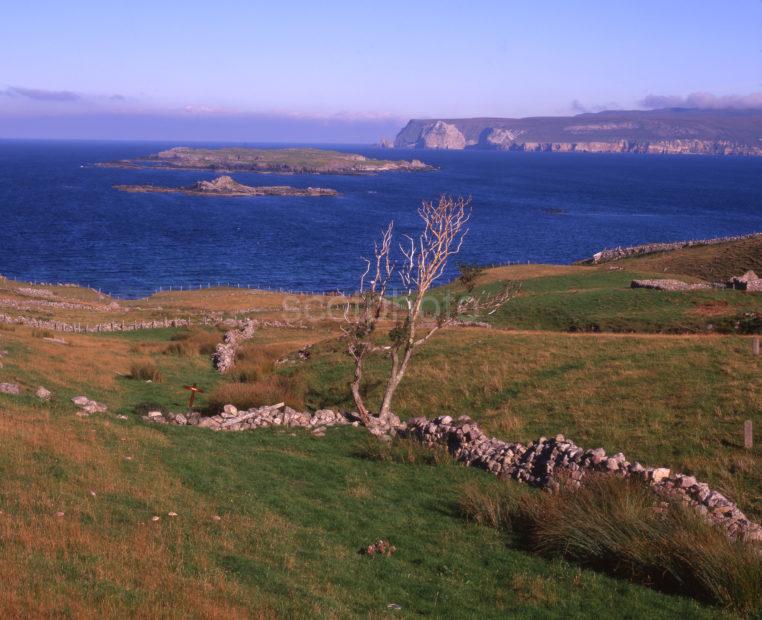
422,262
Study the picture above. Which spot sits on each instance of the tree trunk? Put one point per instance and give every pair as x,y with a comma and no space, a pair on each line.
395,377
362,410
391,387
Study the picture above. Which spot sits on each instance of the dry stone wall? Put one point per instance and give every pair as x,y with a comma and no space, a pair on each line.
546,463
613,254
115,326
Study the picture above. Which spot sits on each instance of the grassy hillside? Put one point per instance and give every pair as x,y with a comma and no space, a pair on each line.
270,523
599,299
714,263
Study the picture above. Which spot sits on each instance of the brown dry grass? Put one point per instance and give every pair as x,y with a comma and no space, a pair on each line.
58,464
525,272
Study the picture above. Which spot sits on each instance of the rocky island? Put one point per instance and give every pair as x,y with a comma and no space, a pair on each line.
281,161
227,186
667,131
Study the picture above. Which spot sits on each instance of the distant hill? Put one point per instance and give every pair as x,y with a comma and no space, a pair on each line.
674,130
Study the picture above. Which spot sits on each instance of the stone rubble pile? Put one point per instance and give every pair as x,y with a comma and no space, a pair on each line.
231,419
87,406
547,462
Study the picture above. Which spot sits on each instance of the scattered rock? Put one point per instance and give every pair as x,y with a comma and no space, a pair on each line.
88,406
10,388
43,393
380,547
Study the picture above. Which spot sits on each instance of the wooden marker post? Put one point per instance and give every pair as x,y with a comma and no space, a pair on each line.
748,439
193,389
755,345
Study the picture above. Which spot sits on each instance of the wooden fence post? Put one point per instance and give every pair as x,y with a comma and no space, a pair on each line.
748,441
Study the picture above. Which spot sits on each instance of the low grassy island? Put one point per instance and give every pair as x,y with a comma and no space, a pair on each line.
227,186
282,161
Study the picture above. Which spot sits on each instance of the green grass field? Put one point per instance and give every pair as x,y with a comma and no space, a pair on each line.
593,300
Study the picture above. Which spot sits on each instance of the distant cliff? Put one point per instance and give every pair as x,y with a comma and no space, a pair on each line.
706,132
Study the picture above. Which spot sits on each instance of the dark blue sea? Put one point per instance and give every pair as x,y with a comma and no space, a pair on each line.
61,220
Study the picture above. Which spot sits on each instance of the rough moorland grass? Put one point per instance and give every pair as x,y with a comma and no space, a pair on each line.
663,400
619,527
145,371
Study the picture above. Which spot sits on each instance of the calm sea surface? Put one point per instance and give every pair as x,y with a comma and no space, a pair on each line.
61,220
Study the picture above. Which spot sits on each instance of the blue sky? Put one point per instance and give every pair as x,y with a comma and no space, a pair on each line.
367,65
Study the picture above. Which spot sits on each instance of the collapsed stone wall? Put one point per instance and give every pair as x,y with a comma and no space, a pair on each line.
544,463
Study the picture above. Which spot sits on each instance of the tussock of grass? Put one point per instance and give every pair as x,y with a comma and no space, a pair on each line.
145,371
267,391
619,527
495,506
407,451
194,342
181,349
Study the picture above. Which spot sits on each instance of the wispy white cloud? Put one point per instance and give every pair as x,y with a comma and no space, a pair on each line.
702,100
40,94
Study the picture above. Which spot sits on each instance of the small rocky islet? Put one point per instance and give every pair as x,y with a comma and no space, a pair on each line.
227,186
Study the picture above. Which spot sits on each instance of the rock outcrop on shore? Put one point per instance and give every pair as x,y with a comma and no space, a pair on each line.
672,131
227,186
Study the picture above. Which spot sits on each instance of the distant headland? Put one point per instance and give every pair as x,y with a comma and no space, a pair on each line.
227,186
281,161
668,131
